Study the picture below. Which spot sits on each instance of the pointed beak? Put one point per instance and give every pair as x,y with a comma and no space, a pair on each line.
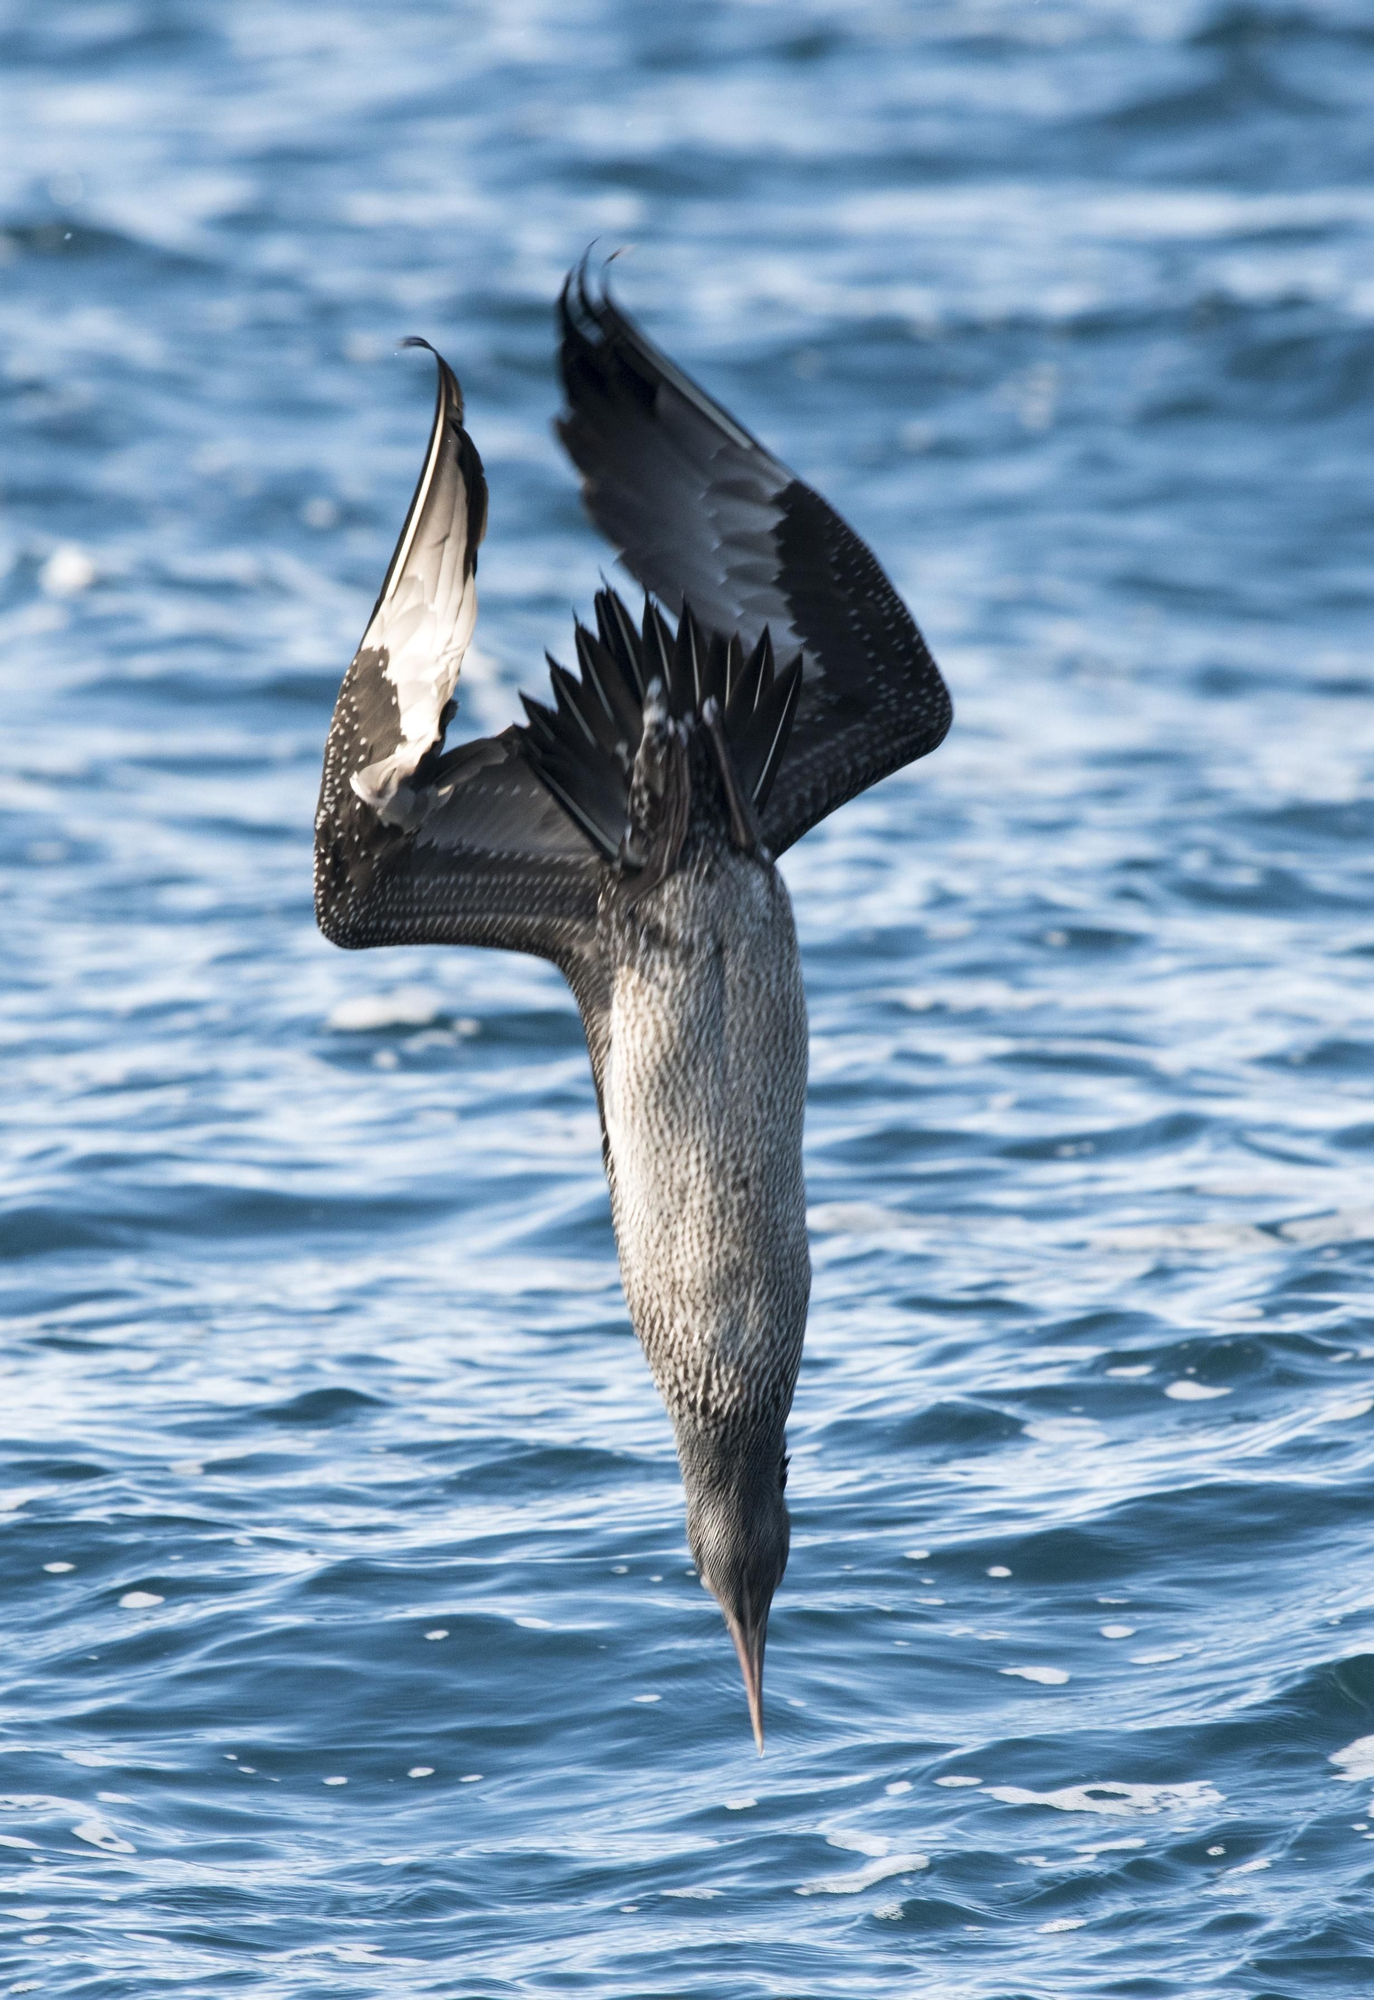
749,1641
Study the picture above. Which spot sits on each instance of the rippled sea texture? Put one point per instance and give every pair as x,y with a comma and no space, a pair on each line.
350,1645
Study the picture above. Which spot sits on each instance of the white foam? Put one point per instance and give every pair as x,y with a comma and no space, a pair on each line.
1081,1431
1050,1677
900,1785
647,1697
1155,1659
1117,1801
1356,1760
420,1771
1339,1413
439,1632
1187,1391
1063,1924
140,1600
864,1878
999,1569
1117,1631
403,1007
1132,1374
738,1805
872,1844
535,1624
59,1569
97,1834
334,1781
1344,1226
67,572
958,1779
1228,1881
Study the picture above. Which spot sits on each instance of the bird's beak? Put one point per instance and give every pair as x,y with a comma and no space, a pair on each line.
749,1641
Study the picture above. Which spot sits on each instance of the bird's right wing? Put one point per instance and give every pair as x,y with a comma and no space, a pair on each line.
414,845
703,514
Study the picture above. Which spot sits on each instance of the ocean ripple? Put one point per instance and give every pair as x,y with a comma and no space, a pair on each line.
354,1643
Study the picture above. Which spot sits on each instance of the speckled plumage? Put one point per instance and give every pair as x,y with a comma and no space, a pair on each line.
703,1087
627,834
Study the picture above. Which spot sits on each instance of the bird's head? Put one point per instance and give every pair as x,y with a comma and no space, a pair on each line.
739,1529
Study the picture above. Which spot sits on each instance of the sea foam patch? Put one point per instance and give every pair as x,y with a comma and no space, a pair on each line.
403,1007
1116,1800
1356,1760
881,1866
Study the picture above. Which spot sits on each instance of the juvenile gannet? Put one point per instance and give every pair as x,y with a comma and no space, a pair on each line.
628,834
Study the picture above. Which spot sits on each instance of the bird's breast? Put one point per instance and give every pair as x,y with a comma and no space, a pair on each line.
704,1089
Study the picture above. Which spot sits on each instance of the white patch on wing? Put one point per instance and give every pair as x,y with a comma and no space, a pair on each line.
424,621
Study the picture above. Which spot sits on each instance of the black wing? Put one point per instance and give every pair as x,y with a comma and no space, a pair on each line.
412,845
702,513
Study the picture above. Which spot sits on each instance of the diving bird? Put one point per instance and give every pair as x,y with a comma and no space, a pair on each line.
628,833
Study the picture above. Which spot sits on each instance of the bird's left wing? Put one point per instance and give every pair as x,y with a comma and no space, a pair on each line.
703,514
414,845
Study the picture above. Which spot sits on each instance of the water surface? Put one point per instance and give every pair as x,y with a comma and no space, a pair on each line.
351,1647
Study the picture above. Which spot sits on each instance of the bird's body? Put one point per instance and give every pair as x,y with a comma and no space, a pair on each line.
704,1088
628,835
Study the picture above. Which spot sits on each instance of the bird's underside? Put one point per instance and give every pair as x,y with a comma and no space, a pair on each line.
627,834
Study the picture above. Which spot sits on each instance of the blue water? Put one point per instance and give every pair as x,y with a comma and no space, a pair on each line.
349,1645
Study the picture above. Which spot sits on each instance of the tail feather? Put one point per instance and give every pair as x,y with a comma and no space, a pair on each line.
764,736
751,682
584,748
689,661
602,672
716,668
657,654
578,700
